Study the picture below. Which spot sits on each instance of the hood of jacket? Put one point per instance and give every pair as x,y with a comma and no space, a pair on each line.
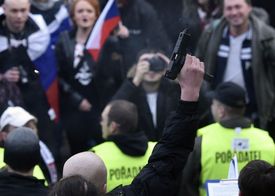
133,144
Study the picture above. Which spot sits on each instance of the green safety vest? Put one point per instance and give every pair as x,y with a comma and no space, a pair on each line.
121,168
217,150
37,172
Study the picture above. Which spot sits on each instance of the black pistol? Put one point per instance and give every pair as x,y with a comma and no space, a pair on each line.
178,57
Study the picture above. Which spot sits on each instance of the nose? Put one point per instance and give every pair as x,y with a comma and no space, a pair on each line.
19,15
234,11
85,13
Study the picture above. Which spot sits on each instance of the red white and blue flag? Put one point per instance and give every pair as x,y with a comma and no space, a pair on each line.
105,24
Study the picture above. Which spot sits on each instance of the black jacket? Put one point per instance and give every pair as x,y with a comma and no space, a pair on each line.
33,95
170,15
106,78
13,185
161,175
167,99
146,30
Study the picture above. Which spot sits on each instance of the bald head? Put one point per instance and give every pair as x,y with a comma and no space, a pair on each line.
13,1
16,12
89,166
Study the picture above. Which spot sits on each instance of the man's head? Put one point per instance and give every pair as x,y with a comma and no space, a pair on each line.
257,178
228,100
14,117
237,12
21,150
89,166
74,186
16,12
119,116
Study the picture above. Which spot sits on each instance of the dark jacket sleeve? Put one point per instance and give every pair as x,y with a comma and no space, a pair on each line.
63,59
191,173
74,97
128,91
162,173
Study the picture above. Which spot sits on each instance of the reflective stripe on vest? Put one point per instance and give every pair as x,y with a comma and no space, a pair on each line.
217,149
121,168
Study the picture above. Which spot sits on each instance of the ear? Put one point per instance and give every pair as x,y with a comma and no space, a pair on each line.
3,136
221,112
4,7
250,7
114,127
105,188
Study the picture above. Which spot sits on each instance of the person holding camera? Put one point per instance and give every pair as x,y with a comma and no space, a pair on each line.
154,95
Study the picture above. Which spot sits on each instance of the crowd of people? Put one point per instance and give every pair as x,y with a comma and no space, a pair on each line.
130,130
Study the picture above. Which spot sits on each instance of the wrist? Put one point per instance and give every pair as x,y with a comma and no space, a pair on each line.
189,94
136,81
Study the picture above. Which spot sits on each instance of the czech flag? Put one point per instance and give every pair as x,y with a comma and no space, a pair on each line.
105,24
46,66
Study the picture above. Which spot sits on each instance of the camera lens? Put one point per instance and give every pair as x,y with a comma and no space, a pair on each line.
157,64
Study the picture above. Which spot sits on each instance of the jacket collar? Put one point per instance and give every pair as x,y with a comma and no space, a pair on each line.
133,144
232,123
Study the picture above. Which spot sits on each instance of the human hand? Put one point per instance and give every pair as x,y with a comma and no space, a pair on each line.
190,78
163,57
85,105
122,31
12,75
142,68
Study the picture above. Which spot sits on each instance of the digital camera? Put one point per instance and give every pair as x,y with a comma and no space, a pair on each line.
157,64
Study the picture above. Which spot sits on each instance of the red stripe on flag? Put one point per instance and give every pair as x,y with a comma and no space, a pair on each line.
94,53
108,27
53,98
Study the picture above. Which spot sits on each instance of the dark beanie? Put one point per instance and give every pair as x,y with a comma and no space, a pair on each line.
230,94
21,149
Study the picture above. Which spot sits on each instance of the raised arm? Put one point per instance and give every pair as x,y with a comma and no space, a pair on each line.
162,173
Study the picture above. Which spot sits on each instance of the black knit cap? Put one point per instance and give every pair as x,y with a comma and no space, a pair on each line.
230,94
21,149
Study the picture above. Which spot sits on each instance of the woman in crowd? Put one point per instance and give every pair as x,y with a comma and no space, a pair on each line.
81,79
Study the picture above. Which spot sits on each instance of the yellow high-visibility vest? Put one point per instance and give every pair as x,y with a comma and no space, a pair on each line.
220,144
121,168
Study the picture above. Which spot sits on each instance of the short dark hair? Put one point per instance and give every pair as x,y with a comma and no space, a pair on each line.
249,2
257,178
125,114
21,149
232,111
74,186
